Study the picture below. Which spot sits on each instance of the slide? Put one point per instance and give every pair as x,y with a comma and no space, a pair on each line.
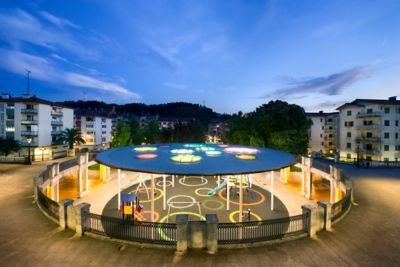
212,191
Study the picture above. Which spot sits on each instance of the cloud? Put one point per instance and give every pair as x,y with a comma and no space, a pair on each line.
60,22
18,26
56,56
43,69
330,85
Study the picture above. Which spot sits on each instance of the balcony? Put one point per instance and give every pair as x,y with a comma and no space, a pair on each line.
369,127
29,133
369,114
56,123
10,111
24,143
56,113
371,151
330,123
327,138
29,111
368,139
330,130
56,132
29,122
10,123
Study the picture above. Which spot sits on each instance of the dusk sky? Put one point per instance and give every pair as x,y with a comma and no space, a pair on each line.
230,55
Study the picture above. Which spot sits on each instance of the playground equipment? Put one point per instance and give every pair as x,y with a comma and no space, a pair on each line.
142,184
131,207
218,187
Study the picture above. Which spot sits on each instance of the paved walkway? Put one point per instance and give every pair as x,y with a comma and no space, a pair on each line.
368,236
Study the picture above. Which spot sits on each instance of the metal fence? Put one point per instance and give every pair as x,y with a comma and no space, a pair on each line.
144,232
340,207
256,231
378,164
20,160
50,206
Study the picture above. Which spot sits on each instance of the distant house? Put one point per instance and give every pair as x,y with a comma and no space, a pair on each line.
216,130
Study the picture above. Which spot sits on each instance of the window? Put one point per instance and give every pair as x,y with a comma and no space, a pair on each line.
369,134
349,123
369,110
385,159
386,135
397,148
387,110
348,134
348,145
330,143
320,135
368,146
397,123
348,156
368,158
320,119
103,126
103,139
322,127
386,147
349,113
396,135
387,122
331,136
322,143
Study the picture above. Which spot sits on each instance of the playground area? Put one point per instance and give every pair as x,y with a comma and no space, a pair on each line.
196,196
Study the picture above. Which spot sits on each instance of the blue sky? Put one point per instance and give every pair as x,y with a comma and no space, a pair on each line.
230,55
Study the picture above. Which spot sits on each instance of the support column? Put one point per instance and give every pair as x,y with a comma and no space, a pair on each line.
165,194
152,198
272,190
327,214
83,183
173,181
227,193
218,179
241,199
333,191
316,219
182,233
212,233
63,205
81,212
119,188
86,172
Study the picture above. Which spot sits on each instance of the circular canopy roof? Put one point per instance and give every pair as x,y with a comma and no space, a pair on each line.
195,159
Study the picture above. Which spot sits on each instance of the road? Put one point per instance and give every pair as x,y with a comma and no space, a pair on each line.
368,236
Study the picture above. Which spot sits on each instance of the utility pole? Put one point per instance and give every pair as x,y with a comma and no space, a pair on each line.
28,72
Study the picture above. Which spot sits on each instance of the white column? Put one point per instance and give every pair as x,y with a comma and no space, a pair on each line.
165,194
87,172
241,199
218,179
227,194
173,181
250,180
272,190
152,198
119,188
333,191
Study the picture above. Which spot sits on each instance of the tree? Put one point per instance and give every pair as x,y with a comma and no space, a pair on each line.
72,136
136,135
121,136
8,145
152,133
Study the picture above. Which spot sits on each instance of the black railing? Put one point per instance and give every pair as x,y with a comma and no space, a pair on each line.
143,232
50,206
340,207
378,164
20,160
256,231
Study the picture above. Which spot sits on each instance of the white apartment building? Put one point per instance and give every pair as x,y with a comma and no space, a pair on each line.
38,120
323,132
96,130
370,128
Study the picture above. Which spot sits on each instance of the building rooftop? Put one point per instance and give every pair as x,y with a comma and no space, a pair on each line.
320,114
29,99
362,102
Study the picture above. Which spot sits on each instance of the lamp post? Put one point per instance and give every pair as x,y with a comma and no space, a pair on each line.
29,141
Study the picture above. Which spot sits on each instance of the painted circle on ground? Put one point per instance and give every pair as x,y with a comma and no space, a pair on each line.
204,181
207,202
185,158
144,190
167,183
145,148
233,213
188,204
203,195
164,235
156,215
245,157
244,204
147,156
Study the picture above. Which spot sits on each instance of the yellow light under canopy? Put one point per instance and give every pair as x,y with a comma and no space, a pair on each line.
186,158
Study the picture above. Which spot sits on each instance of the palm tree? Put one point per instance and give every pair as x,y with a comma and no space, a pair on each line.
72,136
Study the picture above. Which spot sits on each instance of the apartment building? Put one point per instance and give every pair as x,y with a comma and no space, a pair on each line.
370,128
323,132
39,121
96,130
217,130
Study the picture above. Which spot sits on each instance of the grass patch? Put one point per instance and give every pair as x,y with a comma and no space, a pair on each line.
295,169
95,167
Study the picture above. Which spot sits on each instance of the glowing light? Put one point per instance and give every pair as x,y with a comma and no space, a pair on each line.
213,153
147,156
182,151
186,158
145,148
193,145
245,157
205,148
241,150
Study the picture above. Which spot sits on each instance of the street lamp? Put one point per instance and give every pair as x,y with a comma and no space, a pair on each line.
29,141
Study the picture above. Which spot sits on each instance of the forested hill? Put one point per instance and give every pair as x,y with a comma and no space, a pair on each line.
176,109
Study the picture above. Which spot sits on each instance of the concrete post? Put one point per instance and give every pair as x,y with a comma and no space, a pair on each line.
80,216
327,214
212,233
63,206
182,233
316,215
272,190
83,182
241,199
104,173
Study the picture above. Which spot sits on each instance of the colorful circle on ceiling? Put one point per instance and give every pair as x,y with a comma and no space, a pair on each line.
144,148
185,158
245,157
205,148
194,145
182,151
147,156
241,150
213,153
